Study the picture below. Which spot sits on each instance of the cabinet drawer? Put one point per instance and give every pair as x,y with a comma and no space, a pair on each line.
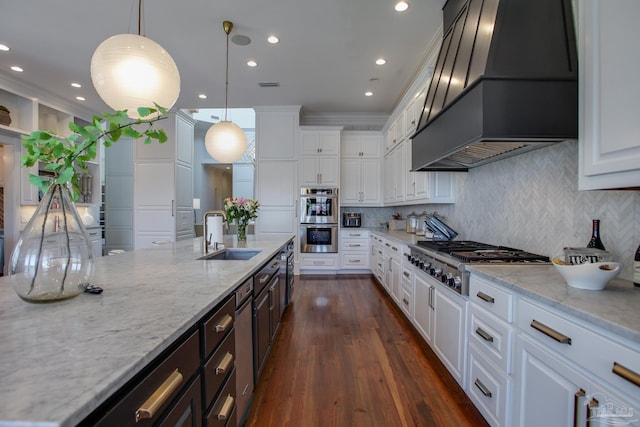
492,336
352,244
218,367
489,389
263,277
406,303
491,298
171,375
319,262
223,411
582,346
351,234
355,260
187,411
217,326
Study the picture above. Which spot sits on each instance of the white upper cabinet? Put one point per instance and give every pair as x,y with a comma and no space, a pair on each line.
278,129
609,93
361,144
320,162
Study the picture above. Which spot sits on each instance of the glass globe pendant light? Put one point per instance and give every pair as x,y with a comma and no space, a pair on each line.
225,141
130,71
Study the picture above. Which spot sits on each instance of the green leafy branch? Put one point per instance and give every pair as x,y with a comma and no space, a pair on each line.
66,157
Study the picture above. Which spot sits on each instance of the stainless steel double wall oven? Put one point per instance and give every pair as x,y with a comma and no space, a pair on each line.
319,220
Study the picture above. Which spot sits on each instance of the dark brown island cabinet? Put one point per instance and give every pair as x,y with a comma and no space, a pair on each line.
193,382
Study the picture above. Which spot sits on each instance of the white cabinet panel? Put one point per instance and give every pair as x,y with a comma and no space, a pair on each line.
276,130
609,91
276,184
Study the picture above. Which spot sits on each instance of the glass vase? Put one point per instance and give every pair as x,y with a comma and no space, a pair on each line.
53,259
241,227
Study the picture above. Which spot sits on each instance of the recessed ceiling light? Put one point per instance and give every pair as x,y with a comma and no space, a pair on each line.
368,93
401,6
4,47
202,96
252,63
80,98
273,39
74,84
16,68
381,61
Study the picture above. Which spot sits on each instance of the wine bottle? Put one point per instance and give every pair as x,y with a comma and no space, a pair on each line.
636,268
595,241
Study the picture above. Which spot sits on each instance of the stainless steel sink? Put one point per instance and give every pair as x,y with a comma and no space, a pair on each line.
231,255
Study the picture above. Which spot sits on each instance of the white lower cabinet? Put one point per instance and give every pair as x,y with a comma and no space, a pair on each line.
394,277
582,376
489,388
318,261
423,305
354,249
449,324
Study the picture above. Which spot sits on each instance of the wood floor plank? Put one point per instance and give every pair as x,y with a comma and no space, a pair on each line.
345,356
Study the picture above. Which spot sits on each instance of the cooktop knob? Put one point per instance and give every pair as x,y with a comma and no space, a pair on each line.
436,271
456,282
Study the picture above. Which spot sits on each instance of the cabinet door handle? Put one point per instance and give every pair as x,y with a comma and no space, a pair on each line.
405,301
173,203
591,406
483,389
431,288
264,279
159,397
551,333
225,323
485,335
225,364
405,274
626,373
485,297
226,408
579,415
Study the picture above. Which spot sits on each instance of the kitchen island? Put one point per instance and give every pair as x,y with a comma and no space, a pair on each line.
61,361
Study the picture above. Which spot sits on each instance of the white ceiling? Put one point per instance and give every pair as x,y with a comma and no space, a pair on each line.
324,62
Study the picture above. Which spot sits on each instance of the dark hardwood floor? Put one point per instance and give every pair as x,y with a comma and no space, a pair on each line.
345,356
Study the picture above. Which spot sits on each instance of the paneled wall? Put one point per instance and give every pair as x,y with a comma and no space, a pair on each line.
532,202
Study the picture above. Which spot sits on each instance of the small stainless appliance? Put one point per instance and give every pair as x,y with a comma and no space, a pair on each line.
319,206
351,219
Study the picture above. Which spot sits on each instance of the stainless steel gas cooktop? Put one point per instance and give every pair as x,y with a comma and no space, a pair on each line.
446,260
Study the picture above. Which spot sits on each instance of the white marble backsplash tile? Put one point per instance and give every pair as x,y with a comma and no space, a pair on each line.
532,202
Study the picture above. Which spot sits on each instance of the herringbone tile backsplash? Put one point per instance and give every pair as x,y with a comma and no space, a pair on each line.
532,202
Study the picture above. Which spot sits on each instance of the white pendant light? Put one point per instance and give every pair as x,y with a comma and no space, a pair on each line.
225,141
130,71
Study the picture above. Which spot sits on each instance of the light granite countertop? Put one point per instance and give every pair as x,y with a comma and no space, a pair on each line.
615,309
60,361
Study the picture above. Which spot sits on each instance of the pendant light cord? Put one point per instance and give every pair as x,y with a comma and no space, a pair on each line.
226,80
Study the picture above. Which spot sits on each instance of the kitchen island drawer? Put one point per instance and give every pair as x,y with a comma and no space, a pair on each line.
491,298
489,389
582,345
217,326
223,411
218,367
152,395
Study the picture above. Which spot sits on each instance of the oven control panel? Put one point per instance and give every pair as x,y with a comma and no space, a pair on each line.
449,275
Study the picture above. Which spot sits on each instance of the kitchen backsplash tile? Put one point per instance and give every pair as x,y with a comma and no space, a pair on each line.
532,202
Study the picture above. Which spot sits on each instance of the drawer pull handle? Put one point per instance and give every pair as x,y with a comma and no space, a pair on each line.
354,245
264,279
227,406
626,373
552,333
485,336
579,415
225,323
486,297
354,261
483,389
405,301
225,364
159,397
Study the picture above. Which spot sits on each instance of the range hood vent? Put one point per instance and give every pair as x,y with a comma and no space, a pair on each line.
505,82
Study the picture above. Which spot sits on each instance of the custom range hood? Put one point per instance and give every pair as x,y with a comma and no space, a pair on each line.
505,82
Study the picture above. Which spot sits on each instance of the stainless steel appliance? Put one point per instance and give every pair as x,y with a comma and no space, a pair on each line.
319,220
319,206
446,260
351,219
322,238
244,359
